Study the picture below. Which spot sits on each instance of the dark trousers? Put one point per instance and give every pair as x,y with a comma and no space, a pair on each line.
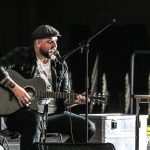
29,124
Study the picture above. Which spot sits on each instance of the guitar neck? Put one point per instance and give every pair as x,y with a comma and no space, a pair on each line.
63,95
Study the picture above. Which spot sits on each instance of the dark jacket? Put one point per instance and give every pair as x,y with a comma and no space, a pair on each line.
23,61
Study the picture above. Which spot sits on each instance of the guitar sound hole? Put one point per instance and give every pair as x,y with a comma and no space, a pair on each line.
30,91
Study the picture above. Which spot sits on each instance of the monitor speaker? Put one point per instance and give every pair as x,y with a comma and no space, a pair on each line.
64,146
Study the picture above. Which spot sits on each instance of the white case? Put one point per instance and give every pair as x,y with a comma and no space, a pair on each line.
119,129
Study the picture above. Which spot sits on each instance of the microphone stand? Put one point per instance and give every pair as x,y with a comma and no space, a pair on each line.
85,46
44,130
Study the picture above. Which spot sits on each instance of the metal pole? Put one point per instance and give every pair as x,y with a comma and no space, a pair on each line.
137,123
132,75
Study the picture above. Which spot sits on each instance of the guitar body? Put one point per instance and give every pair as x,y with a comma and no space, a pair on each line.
8,102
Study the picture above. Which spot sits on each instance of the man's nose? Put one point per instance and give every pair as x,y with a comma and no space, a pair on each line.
54,45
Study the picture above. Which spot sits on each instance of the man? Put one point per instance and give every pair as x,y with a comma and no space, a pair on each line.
40,60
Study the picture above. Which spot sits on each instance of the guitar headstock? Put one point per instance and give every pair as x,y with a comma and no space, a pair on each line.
98,98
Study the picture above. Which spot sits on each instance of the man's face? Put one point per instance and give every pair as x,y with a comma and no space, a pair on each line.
47,46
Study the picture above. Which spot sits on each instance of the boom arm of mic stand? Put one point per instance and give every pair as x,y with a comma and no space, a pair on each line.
84,43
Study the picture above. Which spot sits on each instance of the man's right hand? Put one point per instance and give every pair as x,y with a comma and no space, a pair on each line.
21,95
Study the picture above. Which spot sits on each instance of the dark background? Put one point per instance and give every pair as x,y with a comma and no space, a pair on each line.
78,19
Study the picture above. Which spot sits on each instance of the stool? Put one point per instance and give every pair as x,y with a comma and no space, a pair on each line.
5,134
3,143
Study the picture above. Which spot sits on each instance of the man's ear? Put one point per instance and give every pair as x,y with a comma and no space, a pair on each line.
37,43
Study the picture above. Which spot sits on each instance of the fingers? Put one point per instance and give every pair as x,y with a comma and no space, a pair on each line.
22,96
28,96
81,97
24,101
20,103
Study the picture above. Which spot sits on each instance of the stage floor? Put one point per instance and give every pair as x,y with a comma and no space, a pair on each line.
14,144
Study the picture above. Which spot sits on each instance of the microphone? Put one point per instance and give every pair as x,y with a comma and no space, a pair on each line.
56,53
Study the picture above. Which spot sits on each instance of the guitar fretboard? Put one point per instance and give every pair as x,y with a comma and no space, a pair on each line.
45,94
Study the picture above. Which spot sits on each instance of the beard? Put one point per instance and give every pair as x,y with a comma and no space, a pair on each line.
45,53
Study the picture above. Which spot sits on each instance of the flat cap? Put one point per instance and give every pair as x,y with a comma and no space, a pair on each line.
44,31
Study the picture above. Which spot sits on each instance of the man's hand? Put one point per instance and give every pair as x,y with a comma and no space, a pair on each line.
80,98
21,95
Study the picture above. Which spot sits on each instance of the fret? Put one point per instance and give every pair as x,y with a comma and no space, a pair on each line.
40,94
50,94
45,94
54,94
69,95
74,95
61,95
57,95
